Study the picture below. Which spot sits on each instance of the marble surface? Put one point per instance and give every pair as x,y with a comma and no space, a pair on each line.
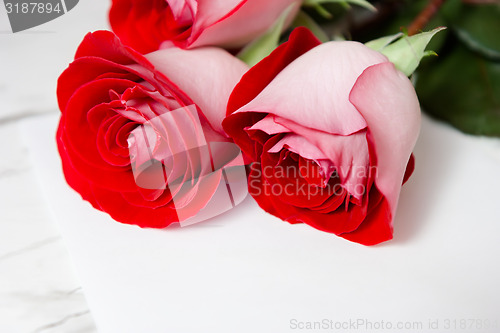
39,291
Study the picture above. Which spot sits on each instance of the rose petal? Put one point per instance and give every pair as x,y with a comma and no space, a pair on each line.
183,11
313,90
377,226
121,210
348,154
388,102
301,40
234,23
338,222
269,126
213,69
132,19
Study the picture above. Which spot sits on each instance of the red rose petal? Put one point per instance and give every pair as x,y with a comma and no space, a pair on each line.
377,227
338,222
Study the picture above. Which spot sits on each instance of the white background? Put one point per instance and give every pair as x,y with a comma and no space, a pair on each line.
39,291
244,271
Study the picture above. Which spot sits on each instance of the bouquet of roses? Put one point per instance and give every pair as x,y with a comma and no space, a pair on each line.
191,104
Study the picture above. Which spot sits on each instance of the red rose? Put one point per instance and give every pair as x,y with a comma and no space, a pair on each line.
330,129
126,116
145,24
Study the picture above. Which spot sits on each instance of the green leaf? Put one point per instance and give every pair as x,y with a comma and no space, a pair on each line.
264,45
462,88
304,20
322,11
407,51
380,43
361,3
402,15
478,26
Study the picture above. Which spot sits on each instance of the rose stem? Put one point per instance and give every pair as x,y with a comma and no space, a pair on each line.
425,16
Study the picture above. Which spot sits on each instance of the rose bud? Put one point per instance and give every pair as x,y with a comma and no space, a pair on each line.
140,137
330,130
145,24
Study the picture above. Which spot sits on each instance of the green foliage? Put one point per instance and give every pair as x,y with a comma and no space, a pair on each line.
263,46
462,85
401,17
463,88
380,43
477,26
403,50
345,3
304,20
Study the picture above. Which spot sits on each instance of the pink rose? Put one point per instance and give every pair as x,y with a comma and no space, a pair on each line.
145,24
330,129
140,137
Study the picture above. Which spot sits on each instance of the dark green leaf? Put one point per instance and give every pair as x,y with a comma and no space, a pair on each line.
362,3
405,13
478,26
463,89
